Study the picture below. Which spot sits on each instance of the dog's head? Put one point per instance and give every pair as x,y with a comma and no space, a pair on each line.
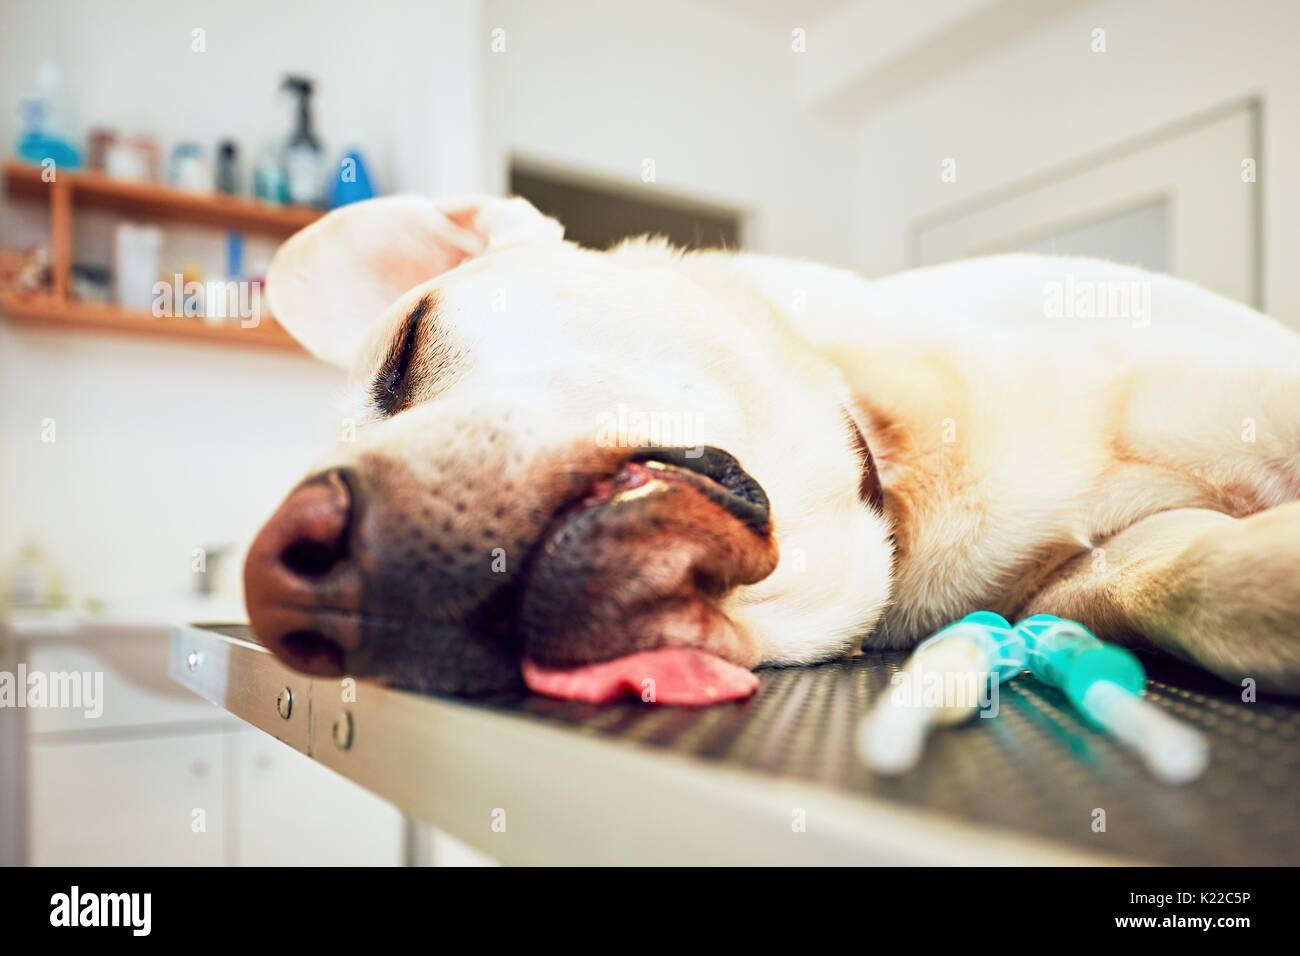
560,456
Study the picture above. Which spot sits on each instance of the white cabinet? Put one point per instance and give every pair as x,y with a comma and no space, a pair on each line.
235,798
293,811
163,778
157,801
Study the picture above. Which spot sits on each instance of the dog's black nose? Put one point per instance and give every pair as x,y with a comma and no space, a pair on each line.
300,584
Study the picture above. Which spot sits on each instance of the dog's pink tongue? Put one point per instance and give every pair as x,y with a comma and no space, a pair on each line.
683,676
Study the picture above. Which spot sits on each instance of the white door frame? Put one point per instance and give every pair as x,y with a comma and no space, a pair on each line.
1183,164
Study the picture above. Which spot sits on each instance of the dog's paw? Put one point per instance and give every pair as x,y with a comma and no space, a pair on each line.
1234,602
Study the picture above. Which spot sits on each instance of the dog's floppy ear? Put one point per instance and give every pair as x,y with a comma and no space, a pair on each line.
330,282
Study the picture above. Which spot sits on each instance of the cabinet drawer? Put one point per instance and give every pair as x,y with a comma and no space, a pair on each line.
137,689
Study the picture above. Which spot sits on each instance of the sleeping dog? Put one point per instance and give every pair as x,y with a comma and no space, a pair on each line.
590,468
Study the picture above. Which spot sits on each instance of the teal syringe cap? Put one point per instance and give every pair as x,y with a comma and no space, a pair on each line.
1048,627
1051,643
1069,656
1105,662
1003,646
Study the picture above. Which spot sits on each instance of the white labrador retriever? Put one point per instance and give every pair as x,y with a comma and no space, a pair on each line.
684,465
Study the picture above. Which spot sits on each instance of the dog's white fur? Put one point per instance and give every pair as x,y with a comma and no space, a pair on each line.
1024,455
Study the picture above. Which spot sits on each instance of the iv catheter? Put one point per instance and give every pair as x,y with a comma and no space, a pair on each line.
982,649
1105,683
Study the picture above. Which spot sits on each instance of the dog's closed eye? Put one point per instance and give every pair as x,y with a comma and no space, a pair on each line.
394,384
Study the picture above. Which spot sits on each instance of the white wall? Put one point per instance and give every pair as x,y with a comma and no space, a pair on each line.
159,449
400,74
713,100
162,447
1048,99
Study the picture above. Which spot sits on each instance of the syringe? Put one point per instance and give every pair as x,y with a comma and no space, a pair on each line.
963,660
1105,683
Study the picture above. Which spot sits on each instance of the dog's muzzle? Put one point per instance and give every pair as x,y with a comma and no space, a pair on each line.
357,573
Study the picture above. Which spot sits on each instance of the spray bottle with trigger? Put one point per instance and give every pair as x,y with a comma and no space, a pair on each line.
304,160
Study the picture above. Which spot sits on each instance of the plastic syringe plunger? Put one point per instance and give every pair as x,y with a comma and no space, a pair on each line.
1105,684
1172,751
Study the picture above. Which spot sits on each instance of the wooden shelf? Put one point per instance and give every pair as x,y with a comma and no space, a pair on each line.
151,201
142,201
47,313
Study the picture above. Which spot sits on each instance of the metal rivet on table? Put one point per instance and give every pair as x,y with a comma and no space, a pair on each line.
284,703
193,660
343,730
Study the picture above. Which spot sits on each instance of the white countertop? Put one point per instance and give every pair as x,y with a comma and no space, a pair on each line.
126,618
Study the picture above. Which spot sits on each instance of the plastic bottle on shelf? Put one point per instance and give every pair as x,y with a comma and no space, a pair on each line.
45,123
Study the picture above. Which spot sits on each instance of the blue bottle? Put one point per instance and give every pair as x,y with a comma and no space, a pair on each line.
351,180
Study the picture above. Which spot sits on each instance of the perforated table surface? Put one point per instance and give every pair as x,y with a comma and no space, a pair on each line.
775,778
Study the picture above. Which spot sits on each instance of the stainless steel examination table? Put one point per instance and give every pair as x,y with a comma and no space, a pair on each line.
774,779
